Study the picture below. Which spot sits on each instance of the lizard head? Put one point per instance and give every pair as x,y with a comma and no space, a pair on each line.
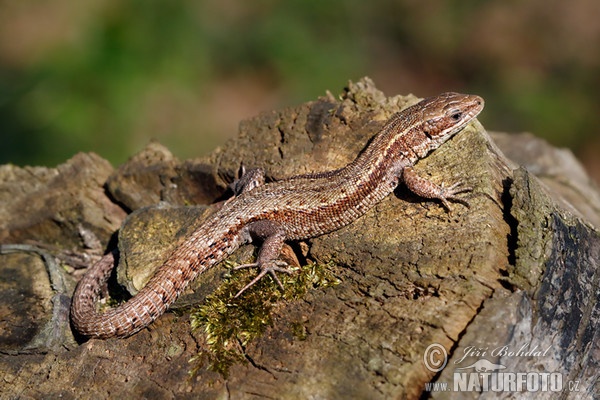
419,129
444,115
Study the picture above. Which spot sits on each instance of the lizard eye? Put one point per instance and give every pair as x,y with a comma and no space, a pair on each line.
456,115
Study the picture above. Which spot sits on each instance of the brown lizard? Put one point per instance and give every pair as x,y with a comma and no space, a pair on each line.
297,208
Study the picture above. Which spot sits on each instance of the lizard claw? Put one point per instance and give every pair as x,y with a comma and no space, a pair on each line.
266,268
450,193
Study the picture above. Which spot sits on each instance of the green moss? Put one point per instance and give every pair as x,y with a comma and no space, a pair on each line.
227,324
298,330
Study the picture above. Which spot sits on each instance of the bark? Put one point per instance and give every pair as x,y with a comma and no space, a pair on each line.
517,269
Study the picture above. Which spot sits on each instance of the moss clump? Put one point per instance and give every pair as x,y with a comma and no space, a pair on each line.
228,324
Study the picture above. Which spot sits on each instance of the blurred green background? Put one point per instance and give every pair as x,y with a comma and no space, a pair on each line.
109,75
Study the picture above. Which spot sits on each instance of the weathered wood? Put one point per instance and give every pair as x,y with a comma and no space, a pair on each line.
517,266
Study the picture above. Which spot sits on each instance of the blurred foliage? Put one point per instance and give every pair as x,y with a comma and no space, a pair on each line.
107,75
90,94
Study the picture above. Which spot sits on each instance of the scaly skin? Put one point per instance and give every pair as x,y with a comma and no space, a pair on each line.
297,208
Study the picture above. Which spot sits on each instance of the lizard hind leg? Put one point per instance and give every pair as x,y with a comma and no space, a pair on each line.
267,268
248,180
273,236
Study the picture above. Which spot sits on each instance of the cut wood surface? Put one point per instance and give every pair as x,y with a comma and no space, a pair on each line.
517,269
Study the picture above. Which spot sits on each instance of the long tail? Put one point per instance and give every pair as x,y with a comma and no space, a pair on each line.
150,303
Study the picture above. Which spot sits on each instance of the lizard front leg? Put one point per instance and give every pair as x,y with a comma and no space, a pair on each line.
273,236
425,188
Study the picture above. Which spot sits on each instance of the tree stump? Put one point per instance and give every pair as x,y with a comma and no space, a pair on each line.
511,280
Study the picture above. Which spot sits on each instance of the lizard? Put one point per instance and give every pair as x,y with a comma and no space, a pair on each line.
292,209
